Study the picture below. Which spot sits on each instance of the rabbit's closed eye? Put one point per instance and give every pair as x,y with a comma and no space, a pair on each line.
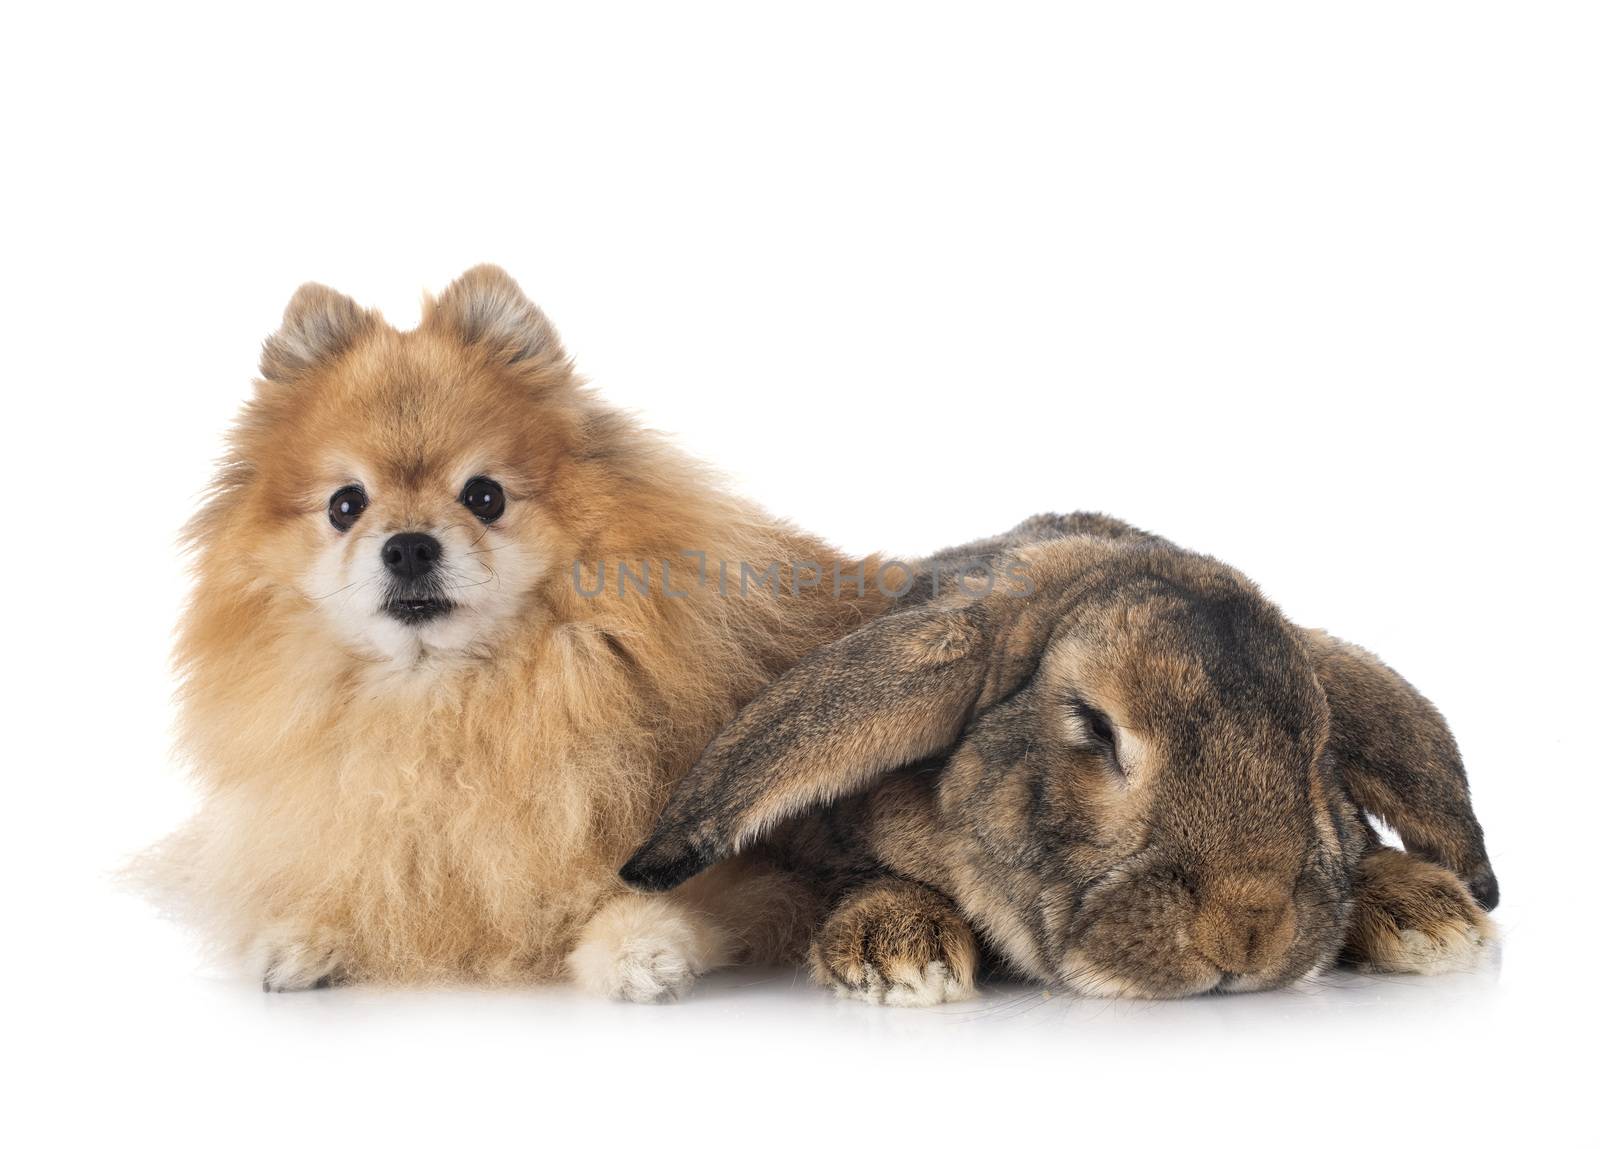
1090,726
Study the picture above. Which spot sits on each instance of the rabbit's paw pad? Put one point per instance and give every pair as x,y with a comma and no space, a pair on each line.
932,984
896,947
1414,917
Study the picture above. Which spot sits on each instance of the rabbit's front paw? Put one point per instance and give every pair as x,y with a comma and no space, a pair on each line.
896,943
1412,916
289,959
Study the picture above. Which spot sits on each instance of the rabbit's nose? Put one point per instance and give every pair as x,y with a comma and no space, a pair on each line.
1245,923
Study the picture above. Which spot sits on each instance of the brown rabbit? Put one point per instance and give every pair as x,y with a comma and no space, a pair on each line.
1119,770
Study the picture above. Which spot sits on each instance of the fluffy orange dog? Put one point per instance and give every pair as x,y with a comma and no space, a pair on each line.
425,742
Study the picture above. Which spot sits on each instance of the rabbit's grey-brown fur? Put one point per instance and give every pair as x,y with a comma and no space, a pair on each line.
1120,770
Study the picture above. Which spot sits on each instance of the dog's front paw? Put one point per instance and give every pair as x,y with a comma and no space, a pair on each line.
645,949
1412,916
896,943
290,960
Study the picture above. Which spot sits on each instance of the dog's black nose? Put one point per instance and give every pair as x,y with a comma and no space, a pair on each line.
411,555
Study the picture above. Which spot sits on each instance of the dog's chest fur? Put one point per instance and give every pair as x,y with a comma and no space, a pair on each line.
459,819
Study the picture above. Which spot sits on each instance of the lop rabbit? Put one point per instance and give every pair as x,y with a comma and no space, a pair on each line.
1120,770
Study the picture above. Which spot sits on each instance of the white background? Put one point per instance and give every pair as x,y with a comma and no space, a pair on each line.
1312,288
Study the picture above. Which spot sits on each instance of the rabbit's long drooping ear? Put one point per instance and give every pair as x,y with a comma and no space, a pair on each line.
897,690
1400,762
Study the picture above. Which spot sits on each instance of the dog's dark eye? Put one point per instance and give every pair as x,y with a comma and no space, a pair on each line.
346,506
484,498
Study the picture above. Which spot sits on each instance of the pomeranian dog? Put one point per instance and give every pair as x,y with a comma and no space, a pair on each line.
427,724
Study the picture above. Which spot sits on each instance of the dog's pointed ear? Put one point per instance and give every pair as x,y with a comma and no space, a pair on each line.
1399,761
900,689
318,325
486,308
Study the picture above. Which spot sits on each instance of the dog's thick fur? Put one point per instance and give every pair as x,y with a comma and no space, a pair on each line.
379,806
